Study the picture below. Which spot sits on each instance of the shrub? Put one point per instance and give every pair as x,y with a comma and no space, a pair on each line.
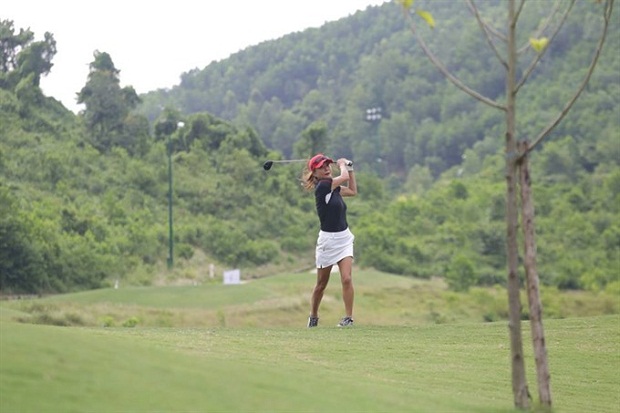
460,273
131,322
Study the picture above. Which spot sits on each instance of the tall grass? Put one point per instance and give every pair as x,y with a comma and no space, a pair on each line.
282,301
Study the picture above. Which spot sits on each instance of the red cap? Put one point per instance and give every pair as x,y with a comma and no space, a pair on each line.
318,161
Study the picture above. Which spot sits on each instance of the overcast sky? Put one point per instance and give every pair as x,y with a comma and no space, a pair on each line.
153,43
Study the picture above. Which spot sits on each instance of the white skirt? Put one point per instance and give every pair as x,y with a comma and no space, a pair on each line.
331,247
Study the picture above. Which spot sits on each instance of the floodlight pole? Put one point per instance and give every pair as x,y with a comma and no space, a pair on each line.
374,117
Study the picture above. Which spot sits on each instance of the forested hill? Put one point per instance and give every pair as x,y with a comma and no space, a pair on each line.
371,60
84,199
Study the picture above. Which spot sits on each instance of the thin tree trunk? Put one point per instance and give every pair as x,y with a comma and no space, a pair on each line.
519,382
531,277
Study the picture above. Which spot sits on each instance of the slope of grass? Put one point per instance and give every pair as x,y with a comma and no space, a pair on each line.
283,301
417,348
461,367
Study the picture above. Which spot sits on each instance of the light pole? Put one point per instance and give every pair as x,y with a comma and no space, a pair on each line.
170,260
374,116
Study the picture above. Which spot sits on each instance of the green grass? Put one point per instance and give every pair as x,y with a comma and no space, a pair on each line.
417,348
282,301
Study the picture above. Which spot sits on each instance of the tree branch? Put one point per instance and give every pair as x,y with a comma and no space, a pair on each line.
491,29
487,30
543,27
519,10
439,65
606,16
539,56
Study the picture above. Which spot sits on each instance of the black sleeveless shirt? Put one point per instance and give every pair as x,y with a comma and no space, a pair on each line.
330,207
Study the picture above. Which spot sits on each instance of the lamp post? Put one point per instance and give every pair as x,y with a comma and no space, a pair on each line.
374,116
170,260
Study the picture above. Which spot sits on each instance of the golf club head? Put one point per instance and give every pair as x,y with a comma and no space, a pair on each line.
267,165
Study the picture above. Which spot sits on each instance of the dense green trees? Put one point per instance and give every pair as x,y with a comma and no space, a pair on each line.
461,221
21,56
20,262
108,116
84,198
22,63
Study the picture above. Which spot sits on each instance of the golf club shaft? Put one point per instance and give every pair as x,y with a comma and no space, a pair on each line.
288,161
350,163
268,164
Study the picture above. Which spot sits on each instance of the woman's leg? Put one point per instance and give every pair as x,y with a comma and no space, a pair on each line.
322,278
346,267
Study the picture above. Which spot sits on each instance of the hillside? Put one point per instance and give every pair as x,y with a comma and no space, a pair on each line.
371,59
84,199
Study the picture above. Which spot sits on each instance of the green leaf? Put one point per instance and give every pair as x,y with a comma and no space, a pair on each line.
406,3
428,18
539,44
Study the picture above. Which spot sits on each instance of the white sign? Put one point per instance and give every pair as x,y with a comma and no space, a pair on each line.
232,277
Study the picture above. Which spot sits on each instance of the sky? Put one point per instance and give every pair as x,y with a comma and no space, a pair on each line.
153,43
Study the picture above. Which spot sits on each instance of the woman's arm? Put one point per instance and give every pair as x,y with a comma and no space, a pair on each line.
346,176
351,188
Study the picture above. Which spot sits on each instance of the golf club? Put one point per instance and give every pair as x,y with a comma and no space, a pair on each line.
268,164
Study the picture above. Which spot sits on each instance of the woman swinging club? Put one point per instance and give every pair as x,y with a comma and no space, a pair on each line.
335,242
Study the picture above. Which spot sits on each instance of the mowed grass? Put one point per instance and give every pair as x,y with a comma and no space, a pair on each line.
417,348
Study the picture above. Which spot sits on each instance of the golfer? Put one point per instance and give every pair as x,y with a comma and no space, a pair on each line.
335,242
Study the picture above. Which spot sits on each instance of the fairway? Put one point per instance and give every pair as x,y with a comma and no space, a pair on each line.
385,365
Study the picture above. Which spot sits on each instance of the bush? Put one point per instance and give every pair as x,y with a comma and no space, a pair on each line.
107,321
131,322
260,252
460,273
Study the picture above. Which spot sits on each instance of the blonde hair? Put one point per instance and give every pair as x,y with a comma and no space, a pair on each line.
308,180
